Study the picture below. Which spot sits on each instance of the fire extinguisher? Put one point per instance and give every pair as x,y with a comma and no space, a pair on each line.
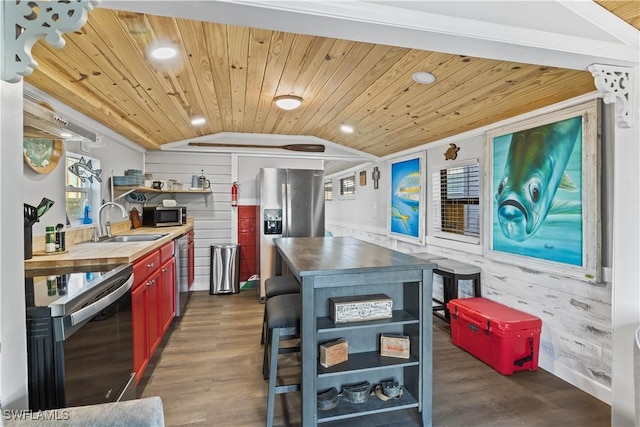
234,194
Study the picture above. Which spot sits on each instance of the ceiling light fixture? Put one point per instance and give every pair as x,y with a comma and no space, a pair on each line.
346,129
198,121
163,50
288,102
423,77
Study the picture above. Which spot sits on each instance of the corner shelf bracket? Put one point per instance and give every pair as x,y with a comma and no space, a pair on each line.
616,86
26,22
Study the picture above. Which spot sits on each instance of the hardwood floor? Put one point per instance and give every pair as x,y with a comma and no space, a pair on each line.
208,372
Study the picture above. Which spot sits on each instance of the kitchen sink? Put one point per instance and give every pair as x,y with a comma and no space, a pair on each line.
134,238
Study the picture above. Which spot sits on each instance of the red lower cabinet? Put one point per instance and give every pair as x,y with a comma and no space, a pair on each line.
167,302
154,332
191,261
153,304
139,321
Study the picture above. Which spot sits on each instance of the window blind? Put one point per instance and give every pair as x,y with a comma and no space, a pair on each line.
348,185
456,198
328,189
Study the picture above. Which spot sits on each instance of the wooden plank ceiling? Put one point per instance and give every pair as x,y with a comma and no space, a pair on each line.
231,74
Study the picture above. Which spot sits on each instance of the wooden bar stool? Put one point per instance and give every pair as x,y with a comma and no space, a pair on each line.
282,314
274,286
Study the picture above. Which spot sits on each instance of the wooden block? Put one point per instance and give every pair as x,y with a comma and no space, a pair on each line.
334,352
360,308
395,346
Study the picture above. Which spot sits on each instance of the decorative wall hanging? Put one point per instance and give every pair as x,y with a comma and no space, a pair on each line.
42,155
84,170
541,212
406,210
452,152
25,22
375,175
363,178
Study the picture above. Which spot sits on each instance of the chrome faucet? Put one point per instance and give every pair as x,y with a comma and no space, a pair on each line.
108,224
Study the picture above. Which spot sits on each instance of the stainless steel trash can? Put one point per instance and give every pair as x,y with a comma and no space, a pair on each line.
225,269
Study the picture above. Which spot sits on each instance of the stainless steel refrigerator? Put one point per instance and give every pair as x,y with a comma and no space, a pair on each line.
291,205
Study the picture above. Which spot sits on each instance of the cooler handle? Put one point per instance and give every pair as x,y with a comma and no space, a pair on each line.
487,331
528,358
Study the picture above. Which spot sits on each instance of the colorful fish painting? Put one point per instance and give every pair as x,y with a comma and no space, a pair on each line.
84,170
404,210
534,171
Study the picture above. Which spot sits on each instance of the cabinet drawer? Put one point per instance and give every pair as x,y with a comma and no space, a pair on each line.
166,252
143,267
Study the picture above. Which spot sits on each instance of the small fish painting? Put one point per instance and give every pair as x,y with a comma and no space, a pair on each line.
537,204
406,196
84,170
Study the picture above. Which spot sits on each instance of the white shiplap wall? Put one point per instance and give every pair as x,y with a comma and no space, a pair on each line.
212,216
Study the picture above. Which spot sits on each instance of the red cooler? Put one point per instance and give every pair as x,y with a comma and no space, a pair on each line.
505,338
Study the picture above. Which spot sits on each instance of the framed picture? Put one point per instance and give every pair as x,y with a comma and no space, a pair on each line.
42,155
543,193
363,178
406,209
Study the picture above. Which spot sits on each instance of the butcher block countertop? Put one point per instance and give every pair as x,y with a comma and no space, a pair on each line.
103,253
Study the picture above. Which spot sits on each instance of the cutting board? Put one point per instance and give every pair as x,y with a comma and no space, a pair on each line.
135,218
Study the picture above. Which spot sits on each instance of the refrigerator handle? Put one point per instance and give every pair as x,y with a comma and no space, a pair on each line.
286,211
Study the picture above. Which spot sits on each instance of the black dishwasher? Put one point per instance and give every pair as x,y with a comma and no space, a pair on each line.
79,336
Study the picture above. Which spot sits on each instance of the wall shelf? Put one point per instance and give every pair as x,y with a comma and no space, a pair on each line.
127,189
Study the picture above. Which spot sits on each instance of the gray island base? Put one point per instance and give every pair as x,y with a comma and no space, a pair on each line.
329,267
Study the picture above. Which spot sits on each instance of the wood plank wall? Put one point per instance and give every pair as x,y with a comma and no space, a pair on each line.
212,219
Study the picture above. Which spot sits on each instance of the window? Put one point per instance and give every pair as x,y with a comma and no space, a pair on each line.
80,194
456,202
328,189
348,187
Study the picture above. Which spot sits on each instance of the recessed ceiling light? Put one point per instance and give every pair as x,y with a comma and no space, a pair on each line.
65,135
198,121
163,50
423,77
346,129
288,102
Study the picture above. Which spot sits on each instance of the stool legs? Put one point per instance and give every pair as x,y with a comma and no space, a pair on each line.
271,360
273,368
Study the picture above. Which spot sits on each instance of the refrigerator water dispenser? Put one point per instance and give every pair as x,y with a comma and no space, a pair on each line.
272,221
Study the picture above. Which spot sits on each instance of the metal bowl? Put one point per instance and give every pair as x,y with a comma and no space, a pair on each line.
357,393
328,400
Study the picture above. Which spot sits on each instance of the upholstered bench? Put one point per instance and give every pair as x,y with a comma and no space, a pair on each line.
145,412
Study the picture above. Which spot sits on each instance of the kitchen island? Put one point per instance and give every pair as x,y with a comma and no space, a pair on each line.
329,267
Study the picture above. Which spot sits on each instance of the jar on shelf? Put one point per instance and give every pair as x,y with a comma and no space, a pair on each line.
50,239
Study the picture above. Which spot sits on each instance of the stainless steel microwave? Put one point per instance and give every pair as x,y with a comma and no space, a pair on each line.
164,216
